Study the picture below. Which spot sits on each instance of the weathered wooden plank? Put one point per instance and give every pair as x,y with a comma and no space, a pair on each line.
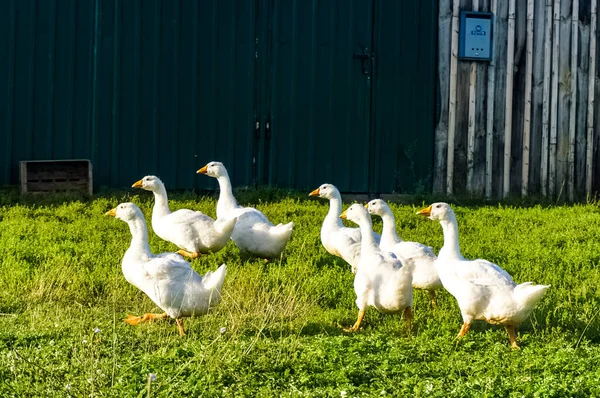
518,89
582,95
591,97
499,98
554,97
491,89
518,93
441,129
480,129
546,97
573,97
563,100
472,122
527,101
453,98
535,149
481,104
510,54
462,121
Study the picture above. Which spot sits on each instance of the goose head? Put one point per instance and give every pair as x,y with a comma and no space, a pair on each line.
377,207
355,213
326,191
213,169
125,212
438,211
148,183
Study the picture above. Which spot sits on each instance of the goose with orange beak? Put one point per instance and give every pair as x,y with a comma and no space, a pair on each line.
337,239
483,290
166,278
253,232
192,231
425,276
382,279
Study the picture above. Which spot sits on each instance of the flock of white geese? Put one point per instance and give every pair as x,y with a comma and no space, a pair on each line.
386,267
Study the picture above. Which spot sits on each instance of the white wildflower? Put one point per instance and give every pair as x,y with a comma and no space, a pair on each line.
96,330
223,330
343,394
152,376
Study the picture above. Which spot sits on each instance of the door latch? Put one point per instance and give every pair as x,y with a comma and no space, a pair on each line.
364,58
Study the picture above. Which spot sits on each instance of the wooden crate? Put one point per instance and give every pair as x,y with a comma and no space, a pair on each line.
47,176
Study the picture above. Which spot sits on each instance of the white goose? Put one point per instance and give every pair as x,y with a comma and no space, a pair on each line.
336,238
253,232
482,289
425,275
382,279
166,278
192,231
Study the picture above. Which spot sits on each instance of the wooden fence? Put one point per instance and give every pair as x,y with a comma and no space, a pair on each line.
524,124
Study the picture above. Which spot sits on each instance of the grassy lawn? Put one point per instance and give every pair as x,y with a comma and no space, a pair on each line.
275,333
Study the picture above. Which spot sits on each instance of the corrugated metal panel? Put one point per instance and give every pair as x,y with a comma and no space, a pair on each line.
328,125
319,103
136,86
403,96
162,87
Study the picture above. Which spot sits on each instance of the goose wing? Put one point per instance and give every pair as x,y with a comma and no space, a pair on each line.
484,273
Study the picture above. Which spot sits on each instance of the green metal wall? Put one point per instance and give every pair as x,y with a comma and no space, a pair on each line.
139,87
269,87
404,95
364,127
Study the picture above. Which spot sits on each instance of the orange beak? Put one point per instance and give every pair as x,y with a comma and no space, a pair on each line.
202,170
425,212
137,184
112,212
343,215
314,193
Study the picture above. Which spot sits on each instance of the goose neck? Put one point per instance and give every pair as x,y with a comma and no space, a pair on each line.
161,202
389,234
139,237
226,199
335,209
451,248
367,240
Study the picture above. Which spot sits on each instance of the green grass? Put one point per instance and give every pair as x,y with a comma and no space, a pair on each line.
60,279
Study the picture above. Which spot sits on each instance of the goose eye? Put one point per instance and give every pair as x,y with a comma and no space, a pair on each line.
438,206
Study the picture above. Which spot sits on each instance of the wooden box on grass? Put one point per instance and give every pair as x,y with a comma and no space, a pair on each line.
47,176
